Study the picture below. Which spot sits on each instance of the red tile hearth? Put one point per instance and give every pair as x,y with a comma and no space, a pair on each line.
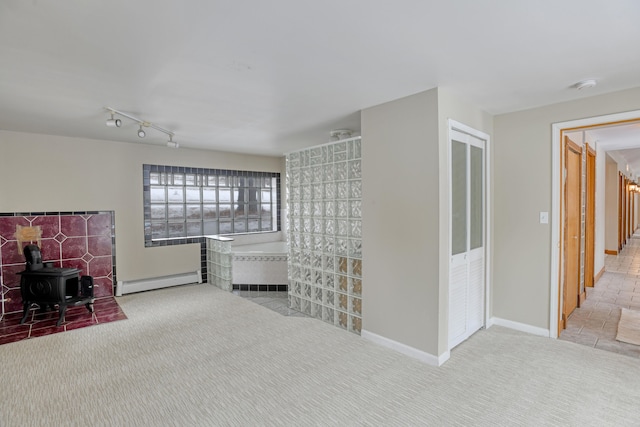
83,240
41,323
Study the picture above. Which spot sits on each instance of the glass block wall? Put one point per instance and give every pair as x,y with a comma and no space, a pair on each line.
324,191
219,263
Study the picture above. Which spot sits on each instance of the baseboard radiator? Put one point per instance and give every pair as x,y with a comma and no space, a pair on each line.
131,286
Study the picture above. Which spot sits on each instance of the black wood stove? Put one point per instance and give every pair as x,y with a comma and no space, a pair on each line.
49,286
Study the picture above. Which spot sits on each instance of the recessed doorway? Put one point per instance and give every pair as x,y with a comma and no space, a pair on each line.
558,229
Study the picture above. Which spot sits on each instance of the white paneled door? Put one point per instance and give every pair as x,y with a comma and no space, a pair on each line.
467,290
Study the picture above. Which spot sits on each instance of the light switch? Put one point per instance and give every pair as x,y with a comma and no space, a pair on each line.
544,217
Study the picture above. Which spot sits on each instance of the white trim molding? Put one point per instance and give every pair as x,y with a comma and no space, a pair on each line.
422,356
452,126
522,327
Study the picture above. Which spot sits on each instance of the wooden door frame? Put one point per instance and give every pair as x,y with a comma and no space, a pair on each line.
621,211
556,243
629,209
590,218
625,192
632,213
576,149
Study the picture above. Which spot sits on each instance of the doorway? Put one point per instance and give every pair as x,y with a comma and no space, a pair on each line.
467,225
572,228
558,241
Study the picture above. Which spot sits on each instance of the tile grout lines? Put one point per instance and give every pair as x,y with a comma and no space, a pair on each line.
619,287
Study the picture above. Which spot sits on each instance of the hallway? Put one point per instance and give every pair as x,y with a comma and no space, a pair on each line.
595,323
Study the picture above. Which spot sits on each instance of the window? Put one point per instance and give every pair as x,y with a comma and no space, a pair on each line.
181,202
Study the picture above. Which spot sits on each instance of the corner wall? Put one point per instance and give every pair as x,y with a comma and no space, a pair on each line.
452,106
400,224
406,221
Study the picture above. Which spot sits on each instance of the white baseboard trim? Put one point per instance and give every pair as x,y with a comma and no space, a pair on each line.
422,356
131,286
522,327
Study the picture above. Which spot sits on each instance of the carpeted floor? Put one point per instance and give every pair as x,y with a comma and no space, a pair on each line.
42,322
196,355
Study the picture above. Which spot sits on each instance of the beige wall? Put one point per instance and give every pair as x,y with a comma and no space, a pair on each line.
452,106
611,205
522,188
598,258
51,173
400,224
406,220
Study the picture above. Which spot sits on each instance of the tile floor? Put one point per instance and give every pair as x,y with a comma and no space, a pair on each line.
276,301
595,323
40,323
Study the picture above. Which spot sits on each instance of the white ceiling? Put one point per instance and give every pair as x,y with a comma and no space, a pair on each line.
270,77
622,140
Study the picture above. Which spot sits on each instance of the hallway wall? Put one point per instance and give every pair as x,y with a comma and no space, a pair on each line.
522,188
406,216
611,205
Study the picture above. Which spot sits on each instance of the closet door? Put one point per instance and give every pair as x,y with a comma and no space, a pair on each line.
467,225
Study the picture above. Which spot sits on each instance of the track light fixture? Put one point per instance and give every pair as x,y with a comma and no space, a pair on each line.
112,122
172,144
338,134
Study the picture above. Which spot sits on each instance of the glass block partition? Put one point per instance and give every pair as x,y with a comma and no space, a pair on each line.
219,262
324,191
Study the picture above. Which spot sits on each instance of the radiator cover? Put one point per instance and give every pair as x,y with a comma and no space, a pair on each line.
132,286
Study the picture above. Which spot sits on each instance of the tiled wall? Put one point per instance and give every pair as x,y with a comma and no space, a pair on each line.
260,269
256,271
83,240
324,190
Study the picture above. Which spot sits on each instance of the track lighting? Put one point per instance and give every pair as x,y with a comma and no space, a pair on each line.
172,144
338,134
112,122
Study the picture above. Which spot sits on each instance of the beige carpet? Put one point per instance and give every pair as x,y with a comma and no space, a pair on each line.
198,356
629,326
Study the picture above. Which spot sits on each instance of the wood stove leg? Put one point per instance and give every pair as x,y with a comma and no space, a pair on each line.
25,312
89,307
63,309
